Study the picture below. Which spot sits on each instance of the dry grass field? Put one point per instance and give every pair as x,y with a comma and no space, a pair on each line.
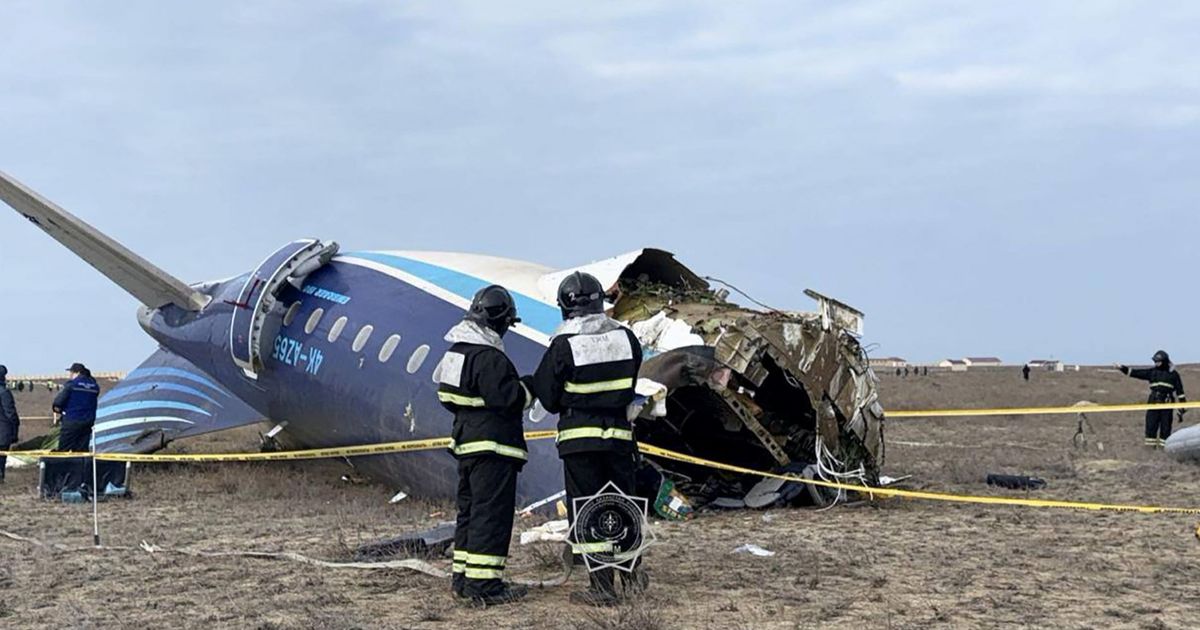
892,564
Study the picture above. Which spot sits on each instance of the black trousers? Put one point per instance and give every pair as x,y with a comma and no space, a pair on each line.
487,499
3,458
1158,423
75,438
586,473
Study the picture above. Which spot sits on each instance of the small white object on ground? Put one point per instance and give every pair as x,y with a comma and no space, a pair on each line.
550,531
754,550
400,496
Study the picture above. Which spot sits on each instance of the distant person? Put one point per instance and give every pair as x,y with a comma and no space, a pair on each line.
75,408
20,386
1025,371
906,372
1165,387
897,371
10,422
925,370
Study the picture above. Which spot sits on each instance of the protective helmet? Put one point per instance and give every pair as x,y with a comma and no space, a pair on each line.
1162,357
580,294
494,308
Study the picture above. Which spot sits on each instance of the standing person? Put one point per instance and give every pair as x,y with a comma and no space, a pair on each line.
1025,371
1165,387
10,422
75,407
478,383
587,376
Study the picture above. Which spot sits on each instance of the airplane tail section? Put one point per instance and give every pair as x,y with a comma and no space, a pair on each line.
164,399
149,284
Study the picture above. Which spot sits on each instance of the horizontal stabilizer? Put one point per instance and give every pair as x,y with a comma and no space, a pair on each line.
149,284
166,398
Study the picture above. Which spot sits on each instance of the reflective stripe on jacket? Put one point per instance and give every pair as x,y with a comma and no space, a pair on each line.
479,384
588,379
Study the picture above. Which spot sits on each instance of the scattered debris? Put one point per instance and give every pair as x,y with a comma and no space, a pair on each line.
885,481
430,542
754,550
1016,482
529,509
400,496
550,531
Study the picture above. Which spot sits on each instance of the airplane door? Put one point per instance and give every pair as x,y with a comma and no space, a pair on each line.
258,297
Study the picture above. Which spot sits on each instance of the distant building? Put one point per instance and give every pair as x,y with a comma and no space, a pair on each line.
955,365
982,362
1053,365
888,362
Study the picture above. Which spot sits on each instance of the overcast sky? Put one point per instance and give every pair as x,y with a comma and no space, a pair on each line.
1016,179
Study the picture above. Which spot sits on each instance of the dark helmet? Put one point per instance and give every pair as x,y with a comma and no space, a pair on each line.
494,308
1162,357
580,294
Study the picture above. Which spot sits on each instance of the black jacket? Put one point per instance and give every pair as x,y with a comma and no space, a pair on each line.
587,376
10,422
480,385
1165,384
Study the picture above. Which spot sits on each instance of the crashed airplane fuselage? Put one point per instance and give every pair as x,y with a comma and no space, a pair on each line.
339,349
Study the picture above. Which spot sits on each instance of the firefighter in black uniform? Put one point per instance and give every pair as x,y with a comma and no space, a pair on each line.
1165,387
587,376
478,382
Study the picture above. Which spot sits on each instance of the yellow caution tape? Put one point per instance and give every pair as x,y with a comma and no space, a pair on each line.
650,449
1038,411
384,448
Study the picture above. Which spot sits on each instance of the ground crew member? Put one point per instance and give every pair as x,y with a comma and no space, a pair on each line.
10,422
478,383
587,376
75,408
1165,387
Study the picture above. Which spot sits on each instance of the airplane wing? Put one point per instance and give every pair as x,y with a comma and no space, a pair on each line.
164,399
149,284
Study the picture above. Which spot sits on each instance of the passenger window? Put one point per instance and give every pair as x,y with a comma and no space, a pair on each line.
363,335
417,358
336,330
290,315
389,348
313,320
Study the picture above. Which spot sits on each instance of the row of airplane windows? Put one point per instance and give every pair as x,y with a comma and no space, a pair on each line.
360,340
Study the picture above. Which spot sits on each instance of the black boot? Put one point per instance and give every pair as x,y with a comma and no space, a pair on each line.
600,592
493,592
635,582
458,582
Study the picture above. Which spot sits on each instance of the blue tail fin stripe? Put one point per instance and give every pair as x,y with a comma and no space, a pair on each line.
149,372
124,390
112,410
109,425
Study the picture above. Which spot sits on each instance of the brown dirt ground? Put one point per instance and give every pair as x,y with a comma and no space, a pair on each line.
895,564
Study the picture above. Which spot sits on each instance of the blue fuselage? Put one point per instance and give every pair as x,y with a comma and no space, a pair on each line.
362,385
